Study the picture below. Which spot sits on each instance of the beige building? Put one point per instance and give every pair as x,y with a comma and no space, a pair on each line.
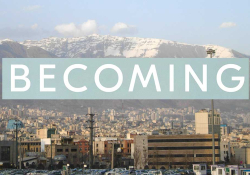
203,122
31,146
67,148
45,133
174,151
42,133
242,155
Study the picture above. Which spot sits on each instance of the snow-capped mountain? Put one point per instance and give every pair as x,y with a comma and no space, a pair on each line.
96,46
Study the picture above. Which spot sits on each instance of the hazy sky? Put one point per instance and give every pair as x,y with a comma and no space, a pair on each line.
221,22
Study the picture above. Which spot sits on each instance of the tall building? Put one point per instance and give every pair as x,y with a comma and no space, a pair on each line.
203,122
224,130
45,133
247,119
174,151
190,110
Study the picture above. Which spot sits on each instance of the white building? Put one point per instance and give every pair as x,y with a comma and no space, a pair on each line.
225,151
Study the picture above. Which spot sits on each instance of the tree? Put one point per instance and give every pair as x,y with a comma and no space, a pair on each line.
234,161
145,158
60,165
156,157
169,159
137,157
187,160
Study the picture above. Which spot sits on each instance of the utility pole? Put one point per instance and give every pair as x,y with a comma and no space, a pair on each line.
51,160
90,113
211,52
113,148
16,145
16,123
212,103
20,155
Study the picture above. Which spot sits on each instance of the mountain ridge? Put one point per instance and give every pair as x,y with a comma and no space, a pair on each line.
101,46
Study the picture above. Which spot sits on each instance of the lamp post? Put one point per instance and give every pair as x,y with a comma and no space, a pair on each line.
211,52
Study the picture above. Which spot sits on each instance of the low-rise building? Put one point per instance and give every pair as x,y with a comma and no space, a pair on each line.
174,151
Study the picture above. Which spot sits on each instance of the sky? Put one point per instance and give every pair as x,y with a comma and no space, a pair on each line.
224,22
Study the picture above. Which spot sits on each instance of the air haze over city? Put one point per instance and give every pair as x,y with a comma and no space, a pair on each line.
141,137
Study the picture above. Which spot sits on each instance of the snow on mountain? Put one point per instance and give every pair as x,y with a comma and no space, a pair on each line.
1,41
96,46
221,52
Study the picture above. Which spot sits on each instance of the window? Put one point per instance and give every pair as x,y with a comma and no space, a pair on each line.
196,167
5,153
97,150
66,150
73,150
181,140
59,150
219,171
105,145
36,149
96,145
182,148
203,167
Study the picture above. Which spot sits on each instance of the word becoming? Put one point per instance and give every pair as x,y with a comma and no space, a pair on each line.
137,73
125,78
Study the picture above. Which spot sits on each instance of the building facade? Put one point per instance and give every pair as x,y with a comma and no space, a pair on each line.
174,151
83,146
203,122
67,148
8,153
